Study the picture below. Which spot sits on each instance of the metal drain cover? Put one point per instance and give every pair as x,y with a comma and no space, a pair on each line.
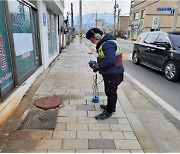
46,103
40,120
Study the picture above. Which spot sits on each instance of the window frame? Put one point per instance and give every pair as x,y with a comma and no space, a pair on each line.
142,14
136,17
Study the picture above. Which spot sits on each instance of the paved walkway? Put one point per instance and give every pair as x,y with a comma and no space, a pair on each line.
76,130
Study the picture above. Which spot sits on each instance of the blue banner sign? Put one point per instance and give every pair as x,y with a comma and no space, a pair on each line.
135,25
164,9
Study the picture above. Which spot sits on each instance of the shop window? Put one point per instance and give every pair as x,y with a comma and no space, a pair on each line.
25,45
142,14
6,73
136,16
52,33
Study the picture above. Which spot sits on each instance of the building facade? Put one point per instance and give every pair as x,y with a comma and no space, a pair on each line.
30,39
122,27
147,15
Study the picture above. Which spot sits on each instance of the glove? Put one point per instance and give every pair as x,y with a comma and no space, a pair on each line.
95,70
92,64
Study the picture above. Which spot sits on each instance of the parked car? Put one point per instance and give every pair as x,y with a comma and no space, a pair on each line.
160,51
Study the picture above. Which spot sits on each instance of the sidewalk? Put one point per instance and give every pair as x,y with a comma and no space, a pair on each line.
76,129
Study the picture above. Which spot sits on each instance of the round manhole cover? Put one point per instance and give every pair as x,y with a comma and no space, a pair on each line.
46,103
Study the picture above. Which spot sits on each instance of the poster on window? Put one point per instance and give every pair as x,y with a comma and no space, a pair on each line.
6,76
22,43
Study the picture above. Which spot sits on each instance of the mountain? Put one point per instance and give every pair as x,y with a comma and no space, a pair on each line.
88,20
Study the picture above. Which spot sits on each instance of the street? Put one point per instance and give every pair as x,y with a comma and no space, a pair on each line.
153,80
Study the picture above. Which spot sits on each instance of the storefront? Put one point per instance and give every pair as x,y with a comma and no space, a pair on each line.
18,44
29,42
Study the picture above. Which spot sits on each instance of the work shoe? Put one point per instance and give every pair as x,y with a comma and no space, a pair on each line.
105,106
103,115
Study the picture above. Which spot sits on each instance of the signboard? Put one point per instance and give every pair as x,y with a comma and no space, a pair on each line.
169,9
44,19
156,22
135,25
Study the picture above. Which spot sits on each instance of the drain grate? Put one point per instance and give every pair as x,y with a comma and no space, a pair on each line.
40,120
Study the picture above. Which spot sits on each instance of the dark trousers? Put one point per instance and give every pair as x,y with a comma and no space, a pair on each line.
111,82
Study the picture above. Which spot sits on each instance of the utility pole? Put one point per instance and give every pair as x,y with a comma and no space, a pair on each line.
72,26
119,12
115,6
96,19
80,21
176,13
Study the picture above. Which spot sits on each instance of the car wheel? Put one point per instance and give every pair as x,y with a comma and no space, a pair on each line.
170,71
135,58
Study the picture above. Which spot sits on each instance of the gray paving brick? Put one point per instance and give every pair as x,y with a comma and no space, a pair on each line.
60,126
123,121
75,144
119,127
99,127
116,151
64,134
86,107
63,113
140,151
48,144
76,126
110,120
78,114
119,114
87,120
67,120
89,93
129,135
69,108
90,151
77,102
127,144
88,134
112,135
101,144
92,114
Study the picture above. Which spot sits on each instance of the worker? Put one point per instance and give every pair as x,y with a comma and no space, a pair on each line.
110,66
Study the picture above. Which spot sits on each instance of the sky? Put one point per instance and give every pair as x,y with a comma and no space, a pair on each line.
99,6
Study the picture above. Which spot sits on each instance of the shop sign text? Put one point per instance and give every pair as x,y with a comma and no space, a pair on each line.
2,55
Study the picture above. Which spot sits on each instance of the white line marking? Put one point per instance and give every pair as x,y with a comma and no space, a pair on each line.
160,101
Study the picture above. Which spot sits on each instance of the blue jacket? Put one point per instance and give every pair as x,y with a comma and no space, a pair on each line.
107,64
